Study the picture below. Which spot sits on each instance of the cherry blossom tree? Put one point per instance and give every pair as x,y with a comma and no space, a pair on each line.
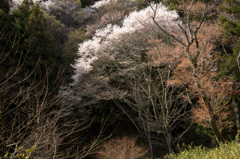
109,36
116,54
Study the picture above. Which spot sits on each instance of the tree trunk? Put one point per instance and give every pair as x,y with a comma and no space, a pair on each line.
213,123
169,140
150,147
2,136
148,135
236,109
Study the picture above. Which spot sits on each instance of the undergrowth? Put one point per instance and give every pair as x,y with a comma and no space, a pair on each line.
224,151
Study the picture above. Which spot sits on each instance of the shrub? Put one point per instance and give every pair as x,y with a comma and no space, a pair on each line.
124,148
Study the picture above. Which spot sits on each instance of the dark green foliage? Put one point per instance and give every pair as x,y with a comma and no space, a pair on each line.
70,48
230,23
37,38
21,15
75,37
57,33
68,12
31,27
229,66
61,38
230,6
4,5
41,39
206,135
230,28
5,28
10,54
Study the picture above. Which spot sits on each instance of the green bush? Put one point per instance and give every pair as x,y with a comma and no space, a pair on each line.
224,151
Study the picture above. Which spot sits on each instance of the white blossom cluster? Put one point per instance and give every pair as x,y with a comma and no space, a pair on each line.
92,49
102,3
34,1
43,4
46,4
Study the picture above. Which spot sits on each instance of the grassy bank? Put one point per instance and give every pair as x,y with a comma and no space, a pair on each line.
224,151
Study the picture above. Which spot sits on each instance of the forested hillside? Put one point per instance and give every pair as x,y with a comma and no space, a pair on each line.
114,79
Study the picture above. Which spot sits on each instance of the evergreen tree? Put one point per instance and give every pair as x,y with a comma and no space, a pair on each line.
10,54
31,28
230,23
38,41
20,16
